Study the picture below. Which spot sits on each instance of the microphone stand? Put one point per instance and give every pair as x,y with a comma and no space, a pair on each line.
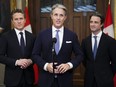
53,57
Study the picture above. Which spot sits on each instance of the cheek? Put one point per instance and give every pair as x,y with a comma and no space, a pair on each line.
63,20
91,25
24,21
98,26
15,24
52,18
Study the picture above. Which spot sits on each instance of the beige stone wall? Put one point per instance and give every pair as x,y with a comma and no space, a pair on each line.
114,18
2,75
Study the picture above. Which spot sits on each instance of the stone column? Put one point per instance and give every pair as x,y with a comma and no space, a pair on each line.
2,75
20,4
114,10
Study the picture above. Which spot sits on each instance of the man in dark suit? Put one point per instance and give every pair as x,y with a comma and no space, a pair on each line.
99,58
62,74
15,53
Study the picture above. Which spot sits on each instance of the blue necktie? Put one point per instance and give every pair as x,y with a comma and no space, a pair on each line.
22,43
95,47
57,43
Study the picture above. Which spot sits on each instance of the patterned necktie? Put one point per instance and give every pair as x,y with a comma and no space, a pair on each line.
57,43
95,47
22,43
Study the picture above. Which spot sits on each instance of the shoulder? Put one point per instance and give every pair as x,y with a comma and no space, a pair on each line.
106,37
45,32
28,34
7,36
69,32
86,39
8,33
108,40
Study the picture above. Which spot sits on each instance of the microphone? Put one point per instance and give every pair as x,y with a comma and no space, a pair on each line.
54,40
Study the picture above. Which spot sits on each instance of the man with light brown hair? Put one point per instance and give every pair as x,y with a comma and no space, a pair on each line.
66,43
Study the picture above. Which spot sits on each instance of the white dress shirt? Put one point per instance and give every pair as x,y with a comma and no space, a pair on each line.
98,39
19,35
61,33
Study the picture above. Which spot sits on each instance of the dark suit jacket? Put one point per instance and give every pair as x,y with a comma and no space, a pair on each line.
9,52
101,68
42,53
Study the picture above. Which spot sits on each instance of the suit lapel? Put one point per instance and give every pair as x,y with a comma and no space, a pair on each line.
64,39
26,39
48,41
89,48
15,38
100,46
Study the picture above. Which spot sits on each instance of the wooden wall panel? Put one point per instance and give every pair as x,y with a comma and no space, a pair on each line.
78,78
77,25
45,21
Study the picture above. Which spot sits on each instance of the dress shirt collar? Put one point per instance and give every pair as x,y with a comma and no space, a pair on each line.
61,30
98,35
17,31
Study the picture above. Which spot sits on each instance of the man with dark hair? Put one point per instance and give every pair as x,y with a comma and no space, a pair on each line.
15,52
99,55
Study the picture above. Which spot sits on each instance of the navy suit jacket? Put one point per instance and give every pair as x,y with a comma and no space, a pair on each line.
10,51
42,53
101,69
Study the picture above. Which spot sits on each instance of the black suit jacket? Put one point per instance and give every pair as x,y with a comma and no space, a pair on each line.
100,69
42,53
9,52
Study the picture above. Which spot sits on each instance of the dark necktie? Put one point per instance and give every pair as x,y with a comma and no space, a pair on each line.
95,47
57,43
22,43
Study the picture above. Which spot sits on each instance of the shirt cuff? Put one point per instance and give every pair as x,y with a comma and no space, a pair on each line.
45,66
16,63
70,64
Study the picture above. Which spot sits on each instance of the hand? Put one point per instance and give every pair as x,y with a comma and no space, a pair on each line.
50,68
62,68
24,63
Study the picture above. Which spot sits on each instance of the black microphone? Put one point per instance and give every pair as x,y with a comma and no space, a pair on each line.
54,40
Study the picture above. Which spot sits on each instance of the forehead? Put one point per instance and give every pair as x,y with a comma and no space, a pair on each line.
58,10
18,15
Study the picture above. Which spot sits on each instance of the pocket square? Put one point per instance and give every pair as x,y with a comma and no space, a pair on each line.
68,41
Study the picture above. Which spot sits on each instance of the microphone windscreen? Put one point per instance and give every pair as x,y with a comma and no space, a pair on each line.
54,40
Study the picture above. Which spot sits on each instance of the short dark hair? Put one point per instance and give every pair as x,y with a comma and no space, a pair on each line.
98,15
17,11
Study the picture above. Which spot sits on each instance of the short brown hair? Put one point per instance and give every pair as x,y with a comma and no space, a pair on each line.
17,11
